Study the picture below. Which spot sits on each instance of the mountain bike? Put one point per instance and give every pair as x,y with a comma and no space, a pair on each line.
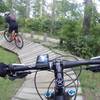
57,66
17,38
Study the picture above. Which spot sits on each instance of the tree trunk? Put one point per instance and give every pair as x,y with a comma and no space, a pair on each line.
53,17
87,16
41,8
27,8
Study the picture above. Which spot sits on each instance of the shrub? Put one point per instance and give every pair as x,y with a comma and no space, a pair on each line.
46,24
2,23
83,46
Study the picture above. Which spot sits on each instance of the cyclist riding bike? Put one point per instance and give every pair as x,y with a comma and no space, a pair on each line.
11,33
10,19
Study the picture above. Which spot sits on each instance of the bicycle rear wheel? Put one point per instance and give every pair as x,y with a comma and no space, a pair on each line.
7,36
19,41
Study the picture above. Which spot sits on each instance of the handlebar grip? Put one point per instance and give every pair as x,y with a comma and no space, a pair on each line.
3,69
94,68
71,64
20,67
13,68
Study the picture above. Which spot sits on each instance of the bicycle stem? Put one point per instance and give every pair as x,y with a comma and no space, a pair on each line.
59,81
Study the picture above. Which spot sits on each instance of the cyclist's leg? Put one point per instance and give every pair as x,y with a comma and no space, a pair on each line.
15,28
13,34
10,30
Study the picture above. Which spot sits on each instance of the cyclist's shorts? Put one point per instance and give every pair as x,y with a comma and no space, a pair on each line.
13,27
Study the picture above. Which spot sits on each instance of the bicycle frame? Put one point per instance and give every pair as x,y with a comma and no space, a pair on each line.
13,35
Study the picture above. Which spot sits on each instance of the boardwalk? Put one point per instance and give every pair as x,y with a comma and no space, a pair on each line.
27,55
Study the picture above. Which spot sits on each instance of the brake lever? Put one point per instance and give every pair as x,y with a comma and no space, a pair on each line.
19,75
94,68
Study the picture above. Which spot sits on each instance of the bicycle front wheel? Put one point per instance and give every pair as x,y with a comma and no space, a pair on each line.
19,41
7,36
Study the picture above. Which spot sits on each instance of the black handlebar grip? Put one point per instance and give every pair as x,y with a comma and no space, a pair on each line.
3,69
95,68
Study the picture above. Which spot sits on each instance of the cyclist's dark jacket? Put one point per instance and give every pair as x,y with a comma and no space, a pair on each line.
12,24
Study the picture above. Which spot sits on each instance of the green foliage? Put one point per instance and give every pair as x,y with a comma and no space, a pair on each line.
46,24
2,23
21,22
21,10
77,46
1,20
83,46
3,7
68,27
96,29
75,42
34,24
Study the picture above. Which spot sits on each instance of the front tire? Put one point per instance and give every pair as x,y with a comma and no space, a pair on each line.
19,41
7,36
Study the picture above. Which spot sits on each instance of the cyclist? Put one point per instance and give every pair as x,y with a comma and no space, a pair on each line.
11,21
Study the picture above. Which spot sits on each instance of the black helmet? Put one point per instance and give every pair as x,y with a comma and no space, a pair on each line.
7,13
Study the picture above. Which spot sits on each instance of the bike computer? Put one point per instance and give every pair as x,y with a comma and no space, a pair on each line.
42,58
42,61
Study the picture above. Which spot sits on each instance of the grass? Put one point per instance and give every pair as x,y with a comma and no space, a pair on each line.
8,88
90,83
8,57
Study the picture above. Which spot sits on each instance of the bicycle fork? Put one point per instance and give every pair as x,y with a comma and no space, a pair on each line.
59,93
66,96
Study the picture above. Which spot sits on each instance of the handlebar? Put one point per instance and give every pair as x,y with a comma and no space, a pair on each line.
21,70
94,65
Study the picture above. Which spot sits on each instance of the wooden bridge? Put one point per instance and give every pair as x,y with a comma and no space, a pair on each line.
27,55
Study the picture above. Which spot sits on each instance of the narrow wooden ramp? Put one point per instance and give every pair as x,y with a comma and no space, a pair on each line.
28,55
